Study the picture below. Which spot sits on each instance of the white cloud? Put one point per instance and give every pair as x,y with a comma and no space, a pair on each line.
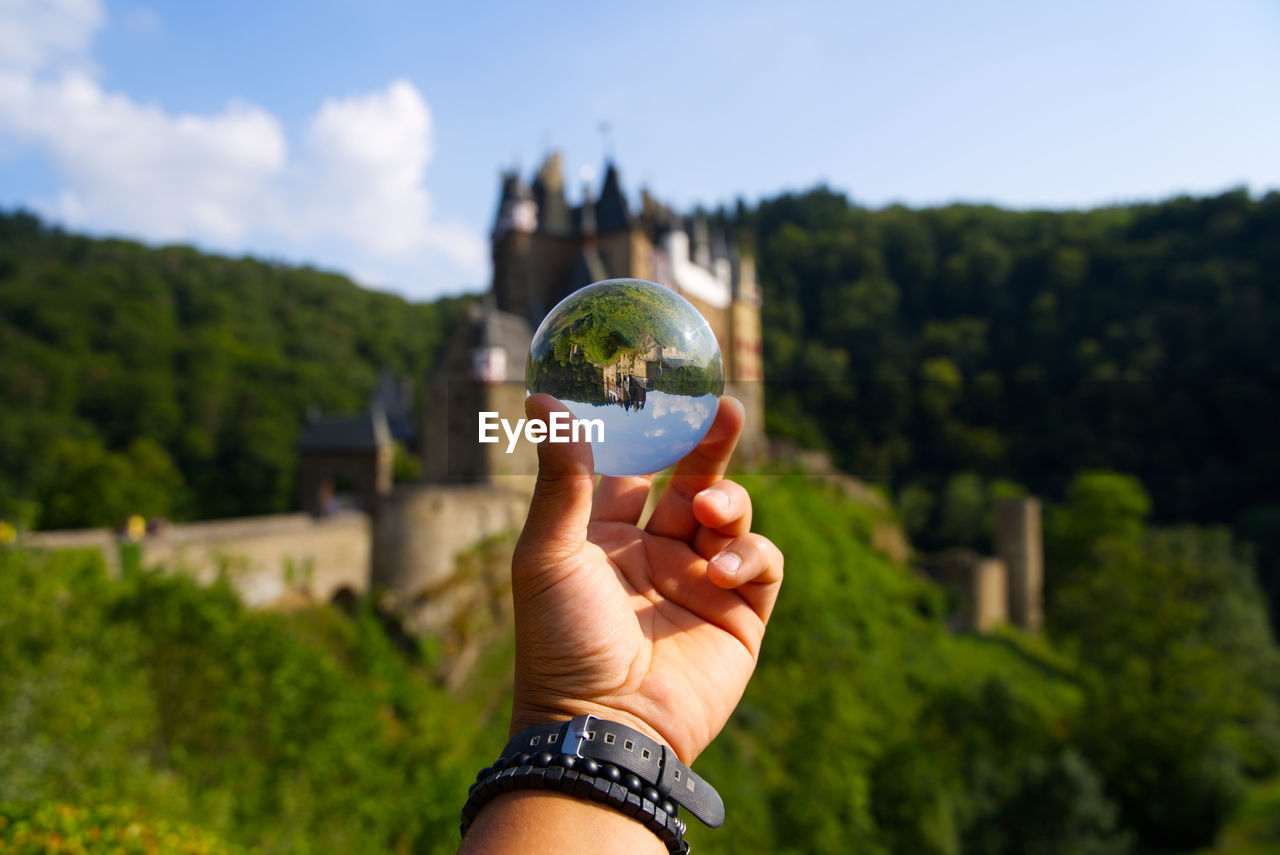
360,178
695,411
351,195
135,168
36,34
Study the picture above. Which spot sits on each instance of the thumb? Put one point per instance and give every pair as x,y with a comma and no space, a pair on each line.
561,507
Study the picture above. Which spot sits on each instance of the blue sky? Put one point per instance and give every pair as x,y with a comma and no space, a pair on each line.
367,135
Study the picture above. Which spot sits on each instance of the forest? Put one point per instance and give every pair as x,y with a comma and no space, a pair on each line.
1116,362
958,353
167,382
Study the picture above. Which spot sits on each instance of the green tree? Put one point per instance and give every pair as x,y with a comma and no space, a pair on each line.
1181,702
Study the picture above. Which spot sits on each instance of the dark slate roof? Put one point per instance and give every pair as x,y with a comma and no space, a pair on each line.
394,397
364,432
658,218
513,191
612,213
719,245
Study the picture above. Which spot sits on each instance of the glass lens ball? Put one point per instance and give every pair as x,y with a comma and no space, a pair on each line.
638,357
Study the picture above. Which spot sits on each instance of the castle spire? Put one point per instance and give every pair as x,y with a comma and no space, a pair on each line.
589,266
548,192
612,213
517,211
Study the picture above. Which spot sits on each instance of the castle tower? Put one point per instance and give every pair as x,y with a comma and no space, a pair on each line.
624,245
1019,541
555,244
516,221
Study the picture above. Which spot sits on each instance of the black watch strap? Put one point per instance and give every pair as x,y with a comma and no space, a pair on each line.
609,742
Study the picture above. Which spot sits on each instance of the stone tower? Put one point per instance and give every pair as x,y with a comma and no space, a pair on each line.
1019,541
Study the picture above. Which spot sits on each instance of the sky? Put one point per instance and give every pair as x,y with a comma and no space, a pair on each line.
368,136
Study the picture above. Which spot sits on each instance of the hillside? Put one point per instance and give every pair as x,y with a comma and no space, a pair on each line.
867,725
171,382
947,352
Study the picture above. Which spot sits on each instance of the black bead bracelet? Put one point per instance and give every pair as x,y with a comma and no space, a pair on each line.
605,762
565,773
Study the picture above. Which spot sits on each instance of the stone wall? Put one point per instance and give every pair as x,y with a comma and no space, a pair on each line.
981,583
266,559
422,529
102,540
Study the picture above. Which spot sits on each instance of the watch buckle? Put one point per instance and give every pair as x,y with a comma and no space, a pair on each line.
575,734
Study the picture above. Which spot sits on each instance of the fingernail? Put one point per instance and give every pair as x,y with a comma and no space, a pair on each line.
720,498
728,563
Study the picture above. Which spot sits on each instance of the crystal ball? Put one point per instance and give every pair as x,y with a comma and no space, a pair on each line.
642,360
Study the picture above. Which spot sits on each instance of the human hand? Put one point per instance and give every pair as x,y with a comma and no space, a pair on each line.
654,628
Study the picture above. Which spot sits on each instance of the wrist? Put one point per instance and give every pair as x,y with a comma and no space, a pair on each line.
549,821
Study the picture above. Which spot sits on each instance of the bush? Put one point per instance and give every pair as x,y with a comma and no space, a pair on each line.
105,828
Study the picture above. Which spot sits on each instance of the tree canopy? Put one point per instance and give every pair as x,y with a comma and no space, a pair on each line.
171,382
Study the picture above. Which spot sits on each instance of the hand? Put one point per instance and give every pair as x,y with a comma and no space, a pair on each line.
658,628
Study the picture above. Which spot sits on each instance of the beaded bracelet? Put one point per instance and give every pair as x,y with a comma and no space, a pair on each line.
606,762
583,778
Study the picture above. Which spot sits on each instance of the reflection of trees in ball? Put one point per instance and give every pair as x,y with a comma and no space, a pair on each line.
610,342
569,378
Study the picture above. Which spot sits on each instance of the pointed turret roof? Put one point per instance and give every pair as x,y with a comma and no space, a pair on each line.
555,215
513,205
612,213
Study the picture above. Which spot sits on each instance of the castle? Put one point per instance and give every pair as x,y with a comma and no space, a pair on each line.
544,248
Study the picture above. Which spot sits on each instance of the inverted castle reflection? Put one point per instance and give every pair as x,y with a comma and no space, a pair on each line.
639,357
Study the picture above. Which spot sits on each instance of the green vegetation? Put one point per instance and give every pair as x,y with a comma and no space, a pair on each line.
28,830
956,355
692,381
169,382
568,376
869,727
1184,677
967,342
286,733
1255,830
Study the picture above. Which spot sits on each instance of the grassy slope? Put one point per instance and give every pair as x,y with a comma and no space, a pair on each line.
308,732
854,652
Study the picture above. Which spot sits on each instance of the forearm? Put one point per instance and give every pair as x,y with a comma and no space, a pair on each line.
531,822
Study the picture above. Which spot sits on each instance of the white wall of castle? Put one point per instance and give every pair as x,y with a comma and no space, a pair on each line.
712,287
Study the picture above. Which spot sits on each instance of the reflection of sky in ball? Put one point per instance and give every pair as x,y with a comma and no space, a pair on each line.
649,439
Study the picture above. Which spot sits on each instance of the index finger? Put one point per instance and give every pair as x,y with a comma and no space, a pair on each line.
673,517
